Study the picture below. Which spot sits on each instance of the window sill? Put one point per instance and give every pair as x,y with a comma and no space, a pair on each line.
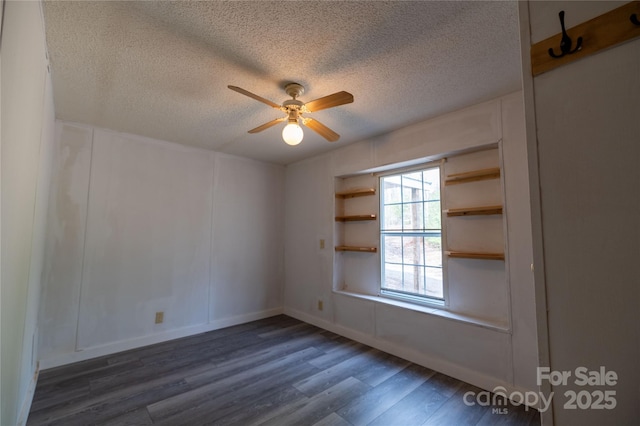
430,310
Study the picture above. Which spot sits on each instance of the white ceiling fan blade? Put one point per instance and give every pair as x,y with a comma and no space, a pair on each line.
254,96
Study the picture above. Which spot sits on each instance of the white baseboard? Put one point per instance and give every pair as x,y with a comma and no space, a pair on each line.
25,407
464,374
124,345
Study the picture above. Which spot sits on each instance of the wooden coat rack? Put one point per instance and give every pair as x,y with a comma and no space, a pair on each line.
607,30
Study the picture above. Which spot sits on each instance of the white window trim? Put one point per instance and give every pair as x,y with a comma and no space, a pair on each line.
425,301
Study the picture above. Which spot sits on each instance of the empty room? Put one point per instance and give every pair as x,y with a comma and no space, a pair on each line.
388,213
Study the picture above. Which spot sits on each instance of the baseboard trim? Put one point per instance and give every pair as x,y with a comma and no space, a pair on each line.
125,345
23,415
475,378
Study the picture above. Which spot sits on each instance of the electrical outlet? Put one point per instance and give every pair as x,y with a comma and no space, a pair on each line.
322,243
159,317
320,305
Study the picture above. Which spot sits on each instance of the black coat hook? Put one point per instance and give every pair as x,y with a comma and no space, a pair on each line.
565,42
634,19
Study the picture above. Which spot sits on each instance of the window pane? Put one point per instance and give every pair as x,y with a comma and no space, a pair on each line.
412,261
413,253
412,187
411,190
432,184
391,188
413,279
393,249
434,282
412,216
392,277
392,217
433,251
432,215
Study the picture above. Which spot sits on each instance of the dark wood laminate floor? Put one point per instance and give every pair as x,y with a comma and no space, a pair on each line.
276,371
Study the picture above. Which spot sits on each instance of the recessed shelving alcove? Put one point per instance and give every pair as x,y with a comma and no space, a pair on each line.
356,232
352,193
472,177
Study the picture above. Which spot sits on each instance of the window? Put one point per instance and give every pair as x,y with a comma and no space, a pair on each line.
411,235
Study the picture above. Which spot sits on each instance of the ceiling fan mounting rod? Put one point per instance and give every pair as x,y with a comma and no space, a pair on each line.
294,90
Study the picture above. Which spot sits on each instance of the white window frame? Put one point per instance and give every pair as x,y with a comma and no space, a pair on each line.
399,295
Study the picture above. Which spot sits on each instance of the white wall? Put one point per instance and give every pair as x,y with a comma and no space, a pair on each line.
139,226
248,245
585,130
483,355
27,134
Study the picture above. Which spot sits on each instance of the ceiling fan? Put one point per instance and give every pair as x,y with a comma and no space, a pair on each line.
292,132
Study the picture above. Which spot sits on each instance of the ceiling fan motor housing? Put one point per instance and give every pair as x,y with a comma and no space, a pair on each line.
294,115
292,104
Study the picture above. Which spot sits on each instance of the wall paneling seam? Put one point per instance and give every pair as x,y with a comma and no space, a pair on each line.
84,239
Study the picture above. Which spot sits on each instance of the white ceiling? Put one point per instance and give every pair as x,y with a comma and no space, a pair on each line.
161,69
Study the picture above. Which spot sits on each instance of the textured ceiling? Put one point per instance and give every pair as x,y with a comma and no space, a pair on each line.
161,69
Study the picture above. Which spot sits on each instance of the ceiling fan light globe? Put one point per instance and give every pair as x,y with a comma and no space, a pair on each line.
292,134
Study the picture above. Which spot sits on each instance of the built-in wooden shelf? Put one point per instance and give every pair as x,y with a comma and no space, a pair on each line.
475,255
355,218
360,249
473,211
351,193
472,176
